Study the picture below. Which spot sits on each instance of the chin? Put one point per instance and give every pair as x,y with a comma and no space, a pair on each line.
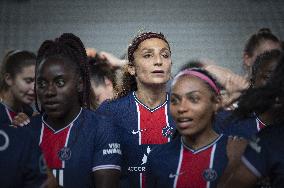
188,133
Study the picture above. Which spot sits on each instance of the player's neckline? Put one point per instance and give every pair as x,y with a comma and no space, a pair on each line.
148,108
59,130
195,151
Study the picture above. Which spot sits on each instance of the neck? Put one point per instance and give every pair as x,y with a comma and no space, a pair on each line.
61,122
201,140
152,96
8,99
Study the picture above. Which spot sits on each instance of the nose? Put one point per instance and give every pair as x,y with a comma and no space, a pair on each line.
158,60
51,90
182,107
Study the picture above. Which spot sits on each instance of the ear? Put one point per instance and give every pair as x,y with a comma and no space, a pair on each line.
131,69
80,85
218,103
8,79
247,60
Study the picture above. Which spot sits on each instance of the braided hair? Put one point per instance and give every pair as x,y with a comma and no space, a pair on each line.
68,47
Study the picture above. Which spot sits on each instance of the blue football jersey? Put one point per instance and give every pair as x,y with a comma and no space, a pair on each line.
73,153
21,162
140,129
264,155
176,165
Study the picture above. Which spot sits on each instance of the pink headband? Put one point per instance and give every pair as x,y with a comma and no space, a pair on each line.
201,76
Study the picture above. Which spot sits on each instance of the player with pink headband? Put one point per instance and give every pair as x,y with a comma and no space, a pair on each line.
198,155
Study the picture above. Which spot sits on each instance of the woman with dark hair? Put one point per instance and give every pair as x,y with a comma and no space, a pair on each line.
16,85
80,147
197,157
246,123
264,154
141,110
103,80
261,41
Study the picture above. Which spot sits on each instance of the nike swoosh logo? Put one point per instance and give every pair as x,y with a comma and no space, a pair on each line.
175,175
138,131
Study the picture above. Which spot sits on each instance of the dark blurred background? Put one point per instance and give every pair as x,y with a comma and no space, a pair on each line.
195,28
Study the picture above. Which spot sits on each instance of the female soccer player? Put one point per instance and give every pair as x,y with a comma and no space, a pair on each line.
197,157
142,115
264,154
80,147
246,123
16,85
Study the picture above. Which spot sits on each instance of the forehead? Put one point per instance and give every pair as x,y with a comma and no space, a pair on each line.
27,70
188,83
153,43
54,66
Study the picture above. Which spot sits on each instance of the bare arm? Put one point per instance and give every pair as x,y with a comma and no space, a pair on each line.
108,178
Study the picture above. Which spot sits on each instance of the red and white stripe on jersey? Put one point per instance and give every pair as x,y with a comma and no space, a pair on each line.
150,126
259,124
151,123
192,164
51,142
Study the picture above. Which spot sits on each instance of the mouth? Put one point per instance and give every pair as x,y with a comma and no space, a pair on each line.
50,105
184,122
158,72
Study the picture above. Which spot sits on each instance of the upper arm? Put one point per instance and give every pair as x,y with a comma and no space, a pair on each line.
106,178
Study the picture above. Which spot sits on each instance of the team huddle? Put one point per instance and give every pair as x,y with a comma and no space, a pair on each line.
204,127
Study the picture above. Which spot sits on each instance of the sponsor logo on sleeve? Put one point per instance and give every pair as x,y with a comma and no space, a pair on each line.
113,148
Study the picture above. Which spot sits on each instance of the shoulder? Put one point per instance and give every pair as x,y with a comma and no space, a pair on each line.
163,150
116,105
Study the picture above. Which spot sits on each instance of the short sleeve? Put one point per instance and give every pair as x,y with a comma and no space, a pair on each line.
108,152
256,157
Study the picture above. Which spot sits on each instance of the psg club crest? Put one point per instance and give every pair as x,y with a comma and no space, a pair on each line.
209,174
167,131
64,154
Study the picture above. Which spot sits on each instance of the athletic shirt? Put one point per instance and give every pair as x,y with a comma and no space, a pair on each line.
73,153
21,162
140,129
177,165
264,155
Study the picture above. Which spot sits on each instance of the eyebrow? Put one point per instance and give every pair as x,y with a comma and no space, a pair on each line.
151,49
195,91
